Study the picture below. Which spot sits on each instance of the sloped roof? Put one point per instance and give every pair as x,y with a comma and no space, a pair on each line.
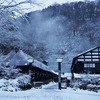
20,58
40,65
15,59
87,51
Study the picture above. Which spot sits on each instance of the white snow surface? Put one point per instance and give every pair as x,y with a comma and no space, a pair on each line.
50,92
15,58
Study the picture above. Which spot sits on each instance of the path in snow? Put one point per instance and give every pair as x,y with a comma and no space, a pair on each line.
50,92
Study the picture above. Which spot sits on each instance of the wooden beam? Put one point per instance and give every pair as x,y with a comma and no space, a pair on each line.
89,58
90,61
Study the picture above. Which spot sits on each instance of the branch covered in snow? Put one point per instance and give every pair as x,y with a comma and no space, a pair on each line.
13,3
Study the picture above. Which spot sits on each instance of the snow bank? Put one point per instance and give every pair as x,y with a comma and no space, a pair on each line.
87,82
20,83
48,93
9,85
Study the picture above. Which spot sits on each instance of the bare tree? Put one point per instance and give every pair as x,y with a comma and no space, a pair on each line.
15,6
13,3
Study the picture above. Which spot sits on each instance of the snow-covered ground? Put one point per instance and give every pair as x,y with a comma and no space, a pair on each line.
50,92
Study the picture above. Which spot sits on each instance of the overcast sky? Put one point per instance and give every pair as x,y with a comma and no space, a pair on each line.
45,3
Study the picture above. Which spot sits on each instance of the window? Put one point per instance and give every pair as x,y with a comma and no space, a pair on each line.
95,59
80,59
89,65
94,56
92,65
89,68
87,59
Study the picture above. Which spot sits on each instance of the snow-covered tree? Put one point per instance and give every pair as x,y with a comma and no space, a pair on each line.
9,72
24,82
10,36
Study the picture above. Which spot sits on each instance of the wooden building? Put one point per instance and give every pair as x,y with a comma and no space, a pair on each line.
87,62
40,71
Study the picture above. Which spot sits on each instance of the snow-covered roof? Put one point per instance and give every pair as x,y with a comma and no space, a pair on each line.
87,51
40,65
15,59
20,58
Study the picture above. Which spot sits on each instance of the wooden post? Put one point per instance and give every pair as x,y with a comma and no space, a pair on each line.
59,76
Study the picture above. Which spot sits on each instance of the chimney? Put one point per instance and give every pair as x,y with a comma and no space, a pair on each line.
45,62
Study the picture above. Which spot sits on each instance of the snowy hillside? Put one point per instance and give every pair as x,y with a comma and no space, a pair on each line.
62,31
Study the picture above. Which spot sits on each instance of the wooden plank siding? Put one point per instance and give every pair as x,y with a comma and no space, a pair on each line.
87,62
38,74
